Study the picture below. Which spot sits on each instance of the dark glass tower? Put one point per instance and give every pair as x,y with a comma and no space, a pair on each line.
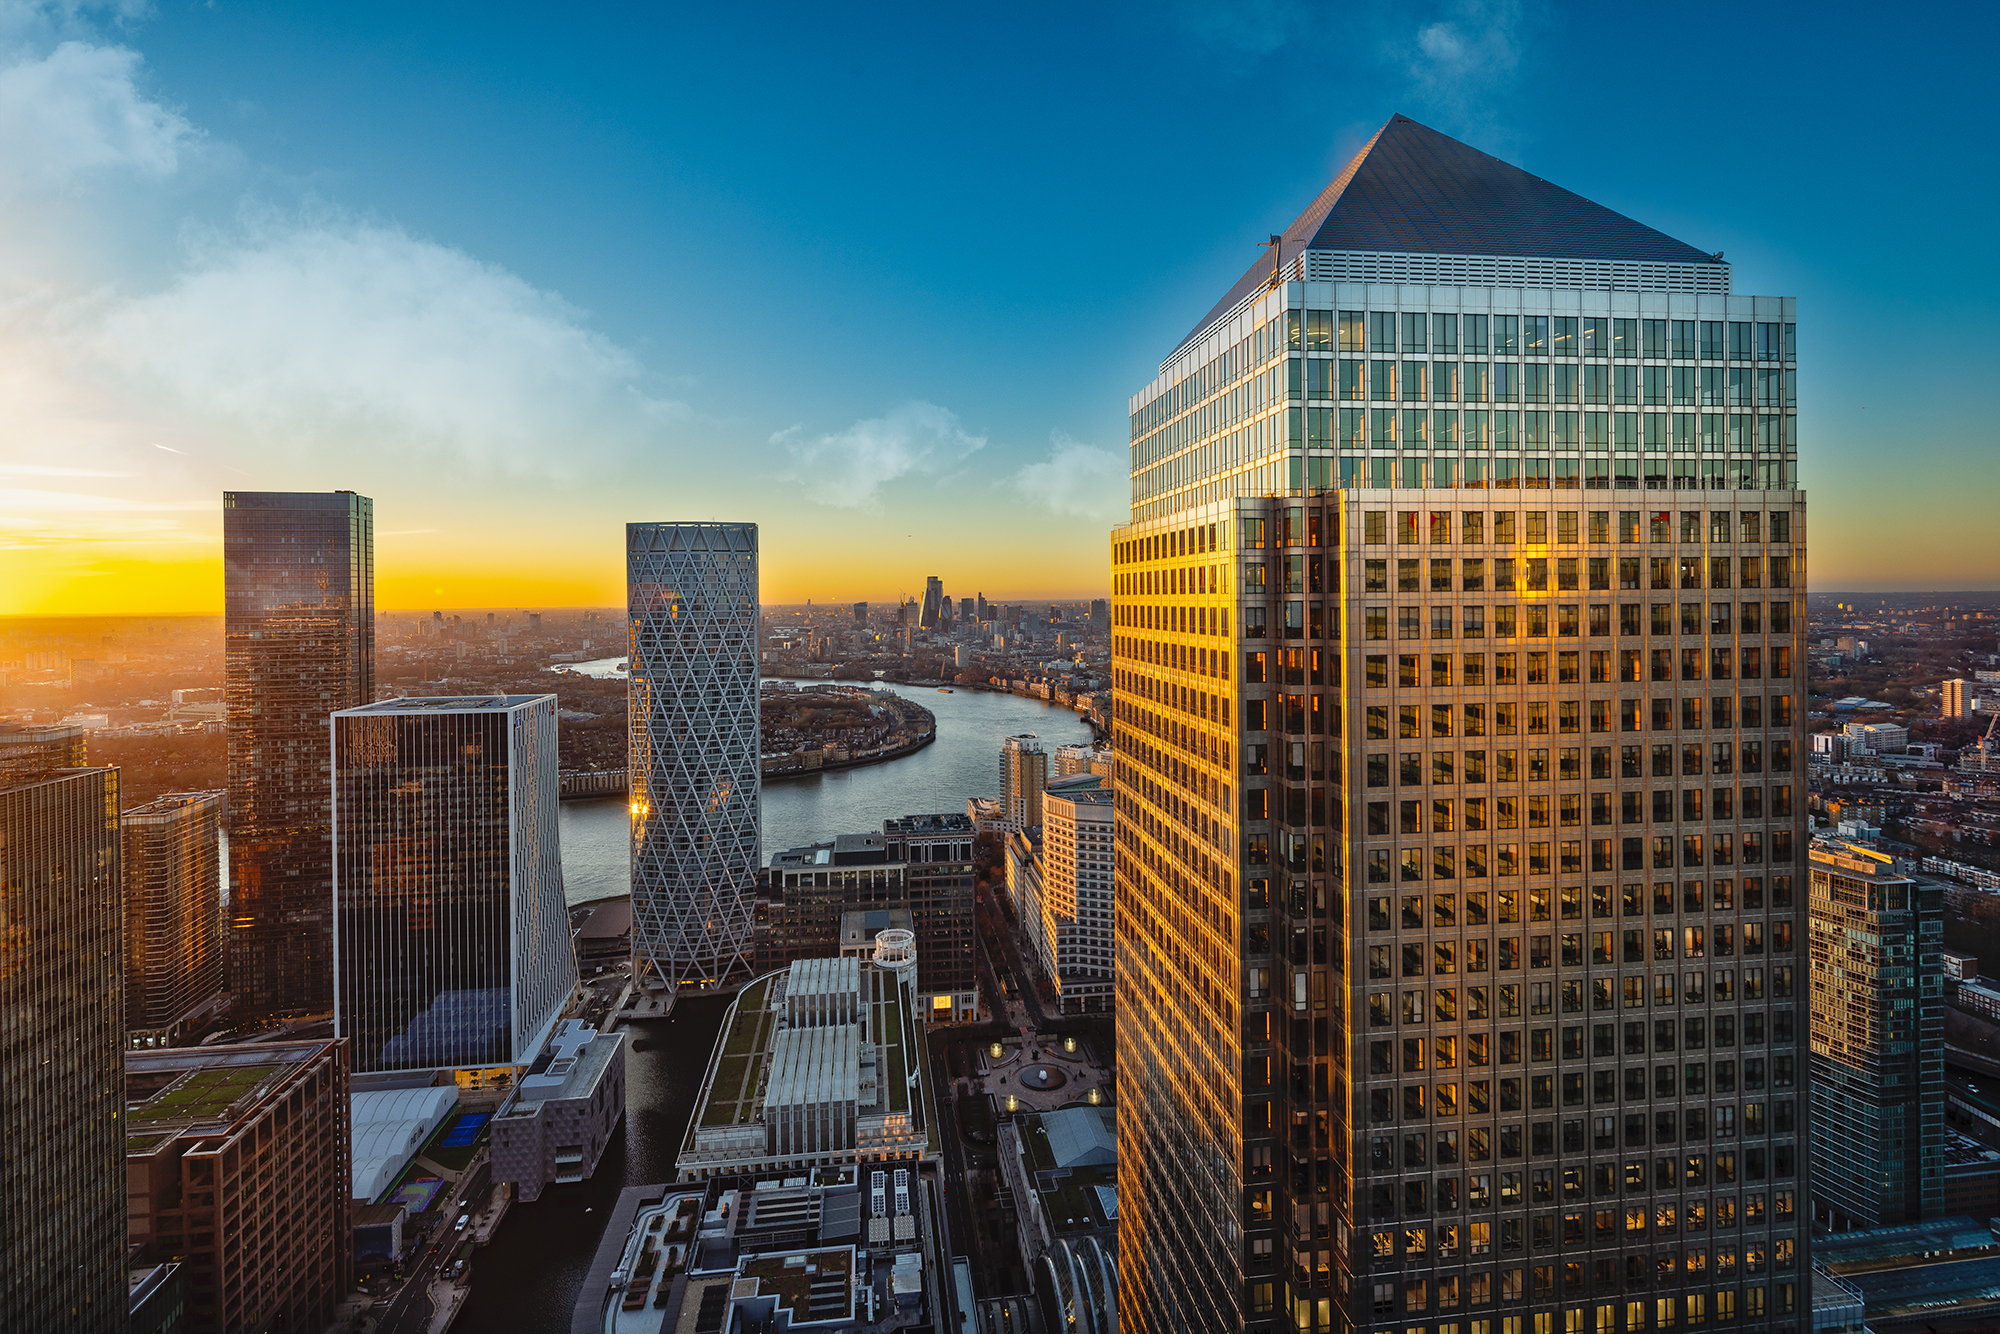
299,636
62,1086
453,944
1459,695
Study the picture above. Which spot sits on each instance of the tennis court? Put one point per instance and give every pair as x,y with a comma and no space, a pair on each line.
466,1131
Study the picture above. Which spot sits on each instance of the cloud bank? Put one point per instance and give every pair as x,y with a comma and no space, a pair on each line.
848,469
78,112
302,342
1077,481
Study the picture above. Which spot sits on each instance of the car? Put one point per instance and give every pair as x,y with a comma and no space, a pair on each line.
463,1220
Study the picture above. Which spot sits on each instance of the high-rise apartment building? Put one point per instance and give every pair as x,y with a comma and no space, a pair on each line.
62,1199
299,643
1958,700
1458,701
1024,772
237,1163
1070,925
452,940
173,916
696,754
1877,1017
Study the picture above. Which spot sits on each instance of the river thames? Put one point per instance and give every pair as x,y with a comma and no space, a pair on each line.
963,762
529,1278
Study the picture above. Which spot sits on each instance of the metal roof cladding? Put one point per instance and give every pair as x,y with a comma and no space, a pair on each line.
1412,190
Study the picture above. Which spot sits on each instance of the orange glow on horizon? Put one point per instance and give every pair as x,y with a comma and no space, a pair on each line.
91,580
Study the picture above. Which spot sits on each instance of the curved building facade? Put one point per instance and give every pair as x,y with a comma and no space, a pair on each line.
692,614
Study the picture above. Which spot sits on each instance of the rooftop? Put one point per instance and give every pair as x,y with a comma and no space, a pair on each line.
171,1089
827,1029
812,1285
1412,190
568,1066
417,705
928,824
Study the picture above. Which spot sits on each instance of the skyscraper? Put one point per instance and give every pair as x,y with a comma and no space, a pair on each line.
453,939
861,613
933,611
692,609
299,643
62,1190
1877,1015
1458,700
173,916
1024,772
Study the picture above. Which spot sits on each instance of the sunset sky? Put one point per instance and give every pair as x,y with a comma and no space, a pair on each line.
879,280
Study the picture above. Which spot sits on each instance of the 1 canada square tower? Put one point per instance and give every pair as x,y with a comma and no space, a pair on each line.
1458,708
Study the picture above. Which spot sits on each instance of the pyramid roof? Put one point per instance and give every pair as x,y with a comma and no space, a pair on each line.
1413,190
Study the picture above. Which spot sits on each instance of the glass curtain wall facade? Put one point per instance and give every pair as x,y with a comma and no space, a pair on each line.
299,643
696,751
173,916
453,943
1877,1004
1460,825
62,1083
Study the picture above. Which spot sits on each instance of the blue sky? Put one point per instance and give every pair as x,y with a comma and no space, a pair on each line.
881,278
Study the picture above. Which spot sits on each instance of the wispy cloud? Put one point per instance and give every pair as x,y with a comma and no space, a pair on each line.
78,111
1076,480
848,469
304,329
1461,63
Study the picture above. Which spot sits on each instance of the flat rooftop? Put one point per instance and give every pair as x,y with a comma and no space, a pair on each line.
171,1089
416,704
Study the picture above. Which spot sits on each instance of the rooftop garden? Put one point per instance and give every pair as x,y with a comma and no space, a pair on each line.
733,1098
205,1094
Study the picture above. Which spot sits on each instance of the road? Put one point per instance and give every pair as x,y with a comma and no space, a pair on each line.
411,1310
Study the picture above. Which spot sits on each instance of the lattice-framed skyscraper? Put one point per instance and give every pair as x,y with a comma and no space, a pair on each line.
1459,705
695,754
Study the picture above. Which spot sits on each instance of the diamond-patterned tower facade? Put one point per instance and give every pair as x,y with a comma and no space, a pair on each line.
692,614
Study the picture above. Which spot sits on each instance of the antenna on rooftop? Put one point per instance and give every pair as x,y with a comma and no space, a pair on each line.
1277,245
